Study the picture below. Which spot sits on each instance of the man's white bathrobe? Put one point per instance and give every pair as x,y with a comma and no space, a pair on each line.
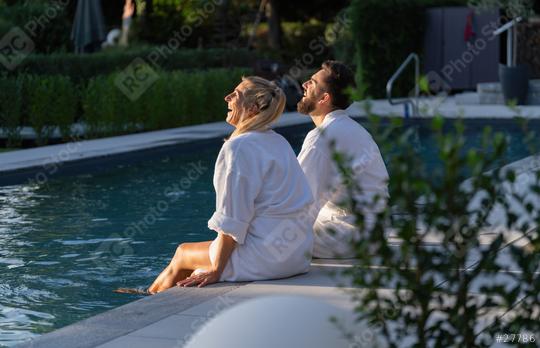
262,202
334,227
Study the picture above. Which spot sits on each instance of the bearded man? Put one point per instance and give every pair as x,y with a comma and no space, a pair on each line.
326,98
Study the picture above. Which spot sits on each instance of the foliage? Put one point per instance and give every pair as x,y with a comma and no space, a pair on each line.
84,67
45,22
10,110
50,101
343,46
512,8
175,99
453,294
304,10
384,33
98,101
300,38
199,22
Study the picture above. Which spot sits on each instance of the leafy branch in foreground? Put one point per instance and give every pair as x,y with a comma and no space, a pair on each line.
454,257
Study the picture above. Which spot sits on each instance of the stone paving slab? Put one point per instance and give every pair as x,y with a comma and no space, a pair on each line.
319,283
141,342
177,329
170,318
128,318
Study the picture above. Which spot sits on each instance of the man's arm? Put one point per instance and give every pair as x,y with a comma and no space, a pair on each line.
317,166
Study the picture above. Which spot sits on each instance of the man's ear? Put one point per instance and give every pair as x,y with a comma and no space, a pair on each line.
325,98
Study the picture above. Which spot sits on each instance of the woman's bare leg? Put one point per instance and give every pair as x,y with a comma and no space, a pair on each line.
188,257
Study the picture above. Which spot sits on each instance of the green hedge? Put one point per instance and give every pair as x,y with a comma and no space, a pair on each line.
50,101
175,99
84,67
384,33
10,110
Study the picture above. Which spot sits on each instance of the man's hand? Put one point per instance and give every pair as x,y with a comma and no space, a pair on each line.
200,279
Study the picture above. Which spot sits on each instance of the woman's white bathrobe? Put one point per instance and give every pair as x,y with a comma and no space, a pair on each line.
262,201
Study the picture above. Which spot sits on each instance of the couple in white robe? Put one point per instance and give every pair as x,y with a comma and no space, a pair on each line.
274,211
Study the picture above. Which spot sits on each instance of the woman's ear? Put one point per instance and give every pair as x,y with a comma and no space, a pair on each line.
253,110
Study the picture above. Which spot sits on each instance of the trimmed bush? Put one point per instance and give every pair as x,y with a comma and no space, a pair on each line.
51,101
99,100
10,110
175,99
84,67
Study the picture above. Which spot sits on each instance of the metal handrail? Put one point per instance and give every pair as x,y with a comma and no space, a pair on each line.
510,55
390,83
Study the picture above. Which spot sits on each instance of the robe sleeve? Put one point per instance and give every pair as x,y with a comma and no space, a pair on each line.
364,160
237,183
316,165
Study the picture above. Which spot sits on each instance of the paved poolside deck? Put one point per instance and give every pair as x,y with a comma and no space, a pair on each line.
170,318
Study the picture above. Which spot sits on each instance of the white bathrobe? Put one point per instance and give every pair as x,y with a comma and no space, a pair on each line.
262,199
334,227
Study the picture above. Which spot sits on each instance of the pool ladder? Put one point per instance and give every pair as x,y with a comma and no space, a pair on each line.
412,102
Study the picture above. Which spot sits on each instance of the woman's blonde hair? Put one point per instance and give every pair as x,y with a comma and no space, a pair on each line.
270,101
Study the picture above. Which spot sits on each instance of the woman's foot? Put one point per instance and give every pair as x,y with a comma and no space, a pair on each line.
133,291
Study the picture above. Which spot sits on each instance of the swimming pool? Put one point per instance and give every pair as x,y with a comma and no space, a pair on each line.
65,245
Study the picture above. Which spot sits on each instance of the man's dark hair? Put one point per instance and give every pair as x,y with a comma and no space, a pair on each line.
340,78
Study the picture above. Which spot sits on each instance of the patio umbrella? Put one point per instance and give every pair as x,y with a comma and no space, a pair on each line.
88,26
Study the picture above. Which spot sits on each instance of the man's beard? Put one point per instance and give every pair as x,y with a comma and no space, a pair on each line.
306,105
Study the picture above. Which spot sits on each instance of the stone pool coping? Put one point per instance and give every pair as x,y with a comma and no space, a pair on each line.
449,107
170,318
38,164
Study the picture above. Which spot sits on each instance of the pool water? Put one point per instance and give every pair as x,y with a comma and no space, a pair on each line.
66,244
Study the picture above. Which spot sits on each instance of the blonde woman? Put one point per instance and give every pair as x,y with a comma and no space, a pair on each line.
262,199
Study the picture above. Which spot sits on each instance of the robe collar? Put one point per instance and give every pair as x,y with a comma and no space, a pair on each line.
330,117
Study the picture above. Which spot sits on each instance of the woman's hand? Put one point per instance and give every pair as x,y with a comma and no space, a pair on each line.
225,245
201,279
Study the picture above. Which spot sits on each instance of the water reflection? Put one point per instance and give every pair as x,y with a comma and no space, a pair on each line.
59,241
